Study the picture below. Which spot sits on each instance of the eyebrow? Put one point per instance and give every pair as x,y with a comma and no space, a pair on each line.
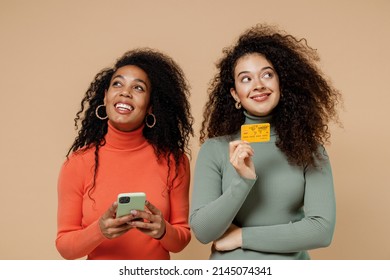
136,79
261,70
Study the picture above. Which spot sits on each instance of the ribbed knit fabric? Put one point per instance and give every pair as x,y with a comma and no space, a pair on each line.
283,213
127,163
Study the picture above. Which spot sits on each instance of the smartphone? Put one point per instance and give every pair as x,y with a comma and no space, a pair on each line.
130,201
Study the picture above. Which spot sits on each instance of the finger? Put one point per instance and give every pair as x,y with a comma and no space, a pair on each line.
153,209
112,227
111,214
153,214
142,225
127,219
241,154
148,220
155,230
118,231
143,215
236,147
244,154
233,145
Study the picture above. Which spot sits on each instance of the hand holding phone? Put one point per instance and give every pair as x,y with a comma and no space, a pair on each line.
130,201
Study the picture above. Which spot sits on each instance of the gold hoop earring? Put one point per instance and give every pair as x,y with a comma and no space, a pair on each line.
97,112
154,120
238,105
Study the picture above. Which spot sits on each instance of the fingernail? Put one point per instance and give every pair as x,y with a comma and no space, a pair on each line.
134,212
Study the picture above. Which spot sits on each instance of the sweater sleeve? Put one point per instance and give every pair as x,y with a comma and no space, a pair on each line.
315,230
178,234
73,241
212,211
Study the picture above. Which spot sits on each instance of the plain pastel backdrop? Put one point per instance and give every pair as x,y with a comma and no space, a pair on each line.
51,50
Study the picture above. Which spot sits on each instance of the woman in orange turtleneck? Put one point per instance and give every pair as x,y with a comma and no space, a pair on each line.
135,127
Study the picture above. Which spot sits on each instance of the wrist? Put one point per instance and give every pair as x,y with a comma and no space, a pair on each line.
162,235
239,237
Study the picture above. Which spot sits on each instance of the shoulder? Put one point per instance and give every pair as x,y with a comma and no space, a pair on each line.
80,158
77,168
321,160
216,143
214,150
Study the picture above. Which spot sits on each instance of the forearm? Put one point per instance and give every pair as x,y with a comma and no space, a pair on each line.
176,237
314,230
77,243
177,231
73,239
209,220
307,234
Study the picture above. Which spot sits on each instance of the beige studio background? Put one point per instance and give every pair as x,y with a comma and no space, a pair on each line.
51,50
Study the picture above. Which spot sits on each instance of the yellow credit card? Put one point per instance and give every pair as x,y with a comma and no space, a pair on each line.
256,132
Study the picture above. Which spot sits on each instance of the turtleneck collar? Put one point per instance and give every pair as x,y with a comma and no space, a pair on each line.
121,140
251,119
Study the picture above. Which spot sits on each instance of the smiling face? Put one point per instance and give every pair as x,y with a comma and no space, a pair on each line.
256,84
127,98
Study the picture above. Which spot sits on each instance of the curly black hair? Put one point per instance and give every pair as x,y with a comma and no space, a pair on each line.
169,100
308,100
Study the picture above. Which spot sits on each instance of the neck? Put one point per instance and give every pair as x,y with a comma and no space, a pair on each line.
125,140
252,119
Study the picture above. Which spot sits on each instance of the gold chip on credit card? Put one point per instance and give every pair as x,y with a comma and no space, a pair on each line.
256,132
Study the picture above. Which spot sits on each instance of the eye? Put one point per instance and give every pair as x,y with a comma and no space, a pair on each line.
267,75
245,79
116,84
139,88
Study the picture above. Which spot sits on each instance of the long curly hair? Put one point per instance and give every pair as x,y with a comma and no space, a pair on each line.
308,100
169,100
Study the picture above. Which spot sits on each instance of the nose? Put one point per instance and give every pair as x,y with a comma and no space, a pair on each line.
259,85
126,93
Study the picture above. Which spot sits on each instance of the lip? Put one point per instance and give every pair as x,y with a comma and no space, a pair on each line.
123,107
259,97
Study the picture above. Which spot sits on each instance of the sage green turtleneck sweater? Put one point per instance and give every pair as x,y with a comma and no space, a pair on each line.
284,212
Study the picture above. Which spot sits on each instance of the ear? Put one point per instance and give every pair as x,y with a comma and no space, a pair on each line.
150,109
234,94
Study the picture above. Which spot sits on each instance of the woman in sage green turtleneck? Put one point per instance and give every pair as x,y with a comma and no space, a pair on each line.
265,190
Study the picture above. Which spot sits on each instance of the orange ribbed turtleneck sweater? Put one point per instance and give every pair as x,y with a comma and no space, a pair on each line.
127,163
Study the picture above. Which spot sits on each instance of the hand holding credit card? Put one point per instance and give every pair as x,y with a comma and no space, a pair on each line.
256,132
